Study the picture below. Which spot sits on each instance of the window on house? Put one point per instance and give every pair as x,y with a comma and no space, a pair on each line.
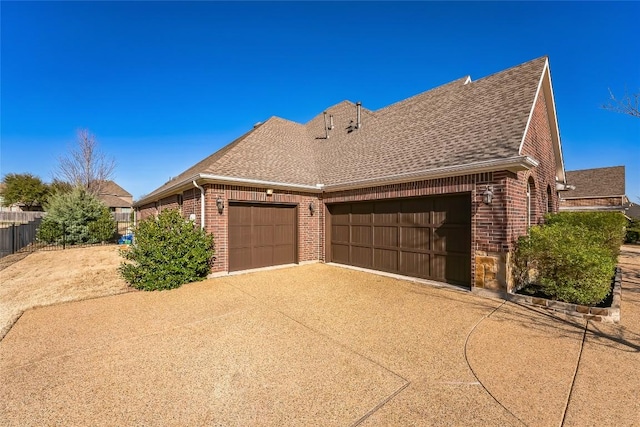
531,202
549,199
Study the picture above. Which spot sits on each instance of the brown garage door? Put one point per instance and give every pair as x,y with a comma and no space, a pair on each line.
261,235
426,237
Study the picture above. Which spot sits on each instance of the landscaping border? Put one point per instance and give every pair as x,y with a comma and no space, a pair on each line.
598,314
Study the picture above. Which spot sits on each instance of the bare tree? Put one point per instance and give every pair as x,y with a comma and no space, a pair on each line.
85,165
628,104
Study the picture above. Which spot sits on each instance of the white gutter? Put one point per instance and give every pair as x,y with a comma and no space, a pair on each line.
261,183
227,179
201,203
513,164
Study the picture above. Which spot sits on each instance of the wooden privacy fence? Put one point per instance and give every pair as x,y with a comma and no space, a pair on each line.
14,237
20,217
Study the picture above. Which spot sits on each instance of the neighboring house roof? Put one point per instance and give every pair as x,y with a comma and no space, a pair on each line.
114,201
594,183
114,196
633,211
461,127
113,189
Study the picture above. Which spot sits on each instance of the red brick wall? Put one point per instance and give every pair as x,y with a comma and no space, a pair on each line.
309,226
600,201
539,145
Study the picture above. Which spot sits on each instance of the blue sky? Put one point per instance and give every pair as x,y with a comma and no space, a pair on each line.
162,85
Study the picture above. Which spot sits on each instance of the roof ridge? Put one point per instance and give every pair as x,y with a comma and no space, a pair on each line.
505,71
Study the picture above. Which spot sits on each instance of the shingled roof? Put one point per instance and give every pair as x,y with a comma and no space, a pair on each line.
459,124
600,182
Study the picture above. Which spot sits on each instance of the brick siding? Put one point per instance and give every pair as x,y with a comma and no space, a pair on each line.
595,202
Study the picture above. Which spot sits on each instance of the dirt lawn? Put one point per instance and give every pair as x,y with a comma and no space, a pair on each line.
50,277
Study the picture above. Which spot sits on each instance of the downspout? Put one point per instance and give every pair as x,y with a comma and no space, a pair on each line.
201,203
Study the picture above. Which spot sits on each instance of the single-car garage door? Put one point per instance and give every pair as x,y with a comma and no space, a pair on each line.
427,237
261,235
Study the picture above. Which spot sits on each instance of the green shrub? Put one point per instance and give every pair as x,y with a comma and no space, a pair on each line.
167,252
74,218
566,262
633,231
103,229
606,228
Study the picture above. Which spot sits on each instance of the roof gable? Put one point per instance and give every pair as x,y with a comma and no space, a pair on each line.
545,86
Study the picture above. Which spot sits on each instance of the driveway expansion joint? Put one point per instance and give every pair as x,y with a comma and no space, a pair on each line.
575,374
466,358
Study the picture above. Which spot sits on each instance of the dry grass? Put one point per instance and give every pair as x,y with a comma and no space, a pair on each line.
51,277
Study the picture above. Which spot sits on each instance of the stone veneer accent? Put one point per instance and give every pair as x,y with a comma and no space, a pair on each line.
598,314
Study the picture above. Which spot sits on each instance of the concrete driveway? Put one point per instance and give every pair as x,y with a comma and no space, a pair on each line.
313,345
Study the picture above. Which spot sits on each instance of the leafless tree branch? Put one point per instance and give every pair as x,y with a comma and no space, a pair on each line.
85,165
628,104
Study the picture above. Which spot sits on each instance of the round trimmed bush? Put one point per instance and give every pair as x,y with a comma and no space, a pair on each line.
167,252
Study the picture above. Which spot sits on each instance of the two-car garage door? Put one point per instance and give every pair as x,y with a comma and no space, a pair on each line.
426,237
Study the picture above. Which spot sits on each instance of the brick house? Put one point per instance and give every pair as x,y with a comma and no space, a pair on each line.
117,199
600,189
437,186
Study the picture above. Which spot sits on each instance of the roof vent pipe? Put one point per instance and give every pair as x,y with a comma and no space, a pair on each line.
358,121
330,121
326,129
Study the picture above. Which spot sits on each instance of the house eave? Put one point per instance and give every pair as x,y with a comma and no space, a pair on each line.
512,164
187,183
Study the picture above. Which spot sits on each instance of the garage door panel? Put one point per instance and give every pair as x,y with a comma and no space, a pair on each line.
385,259
361,234
386,213
451,239
239,216
438,265
385,236
263,234
415,238
340,233
244,236
457,268
415,264
239,258
283,234
426,237
362,256
362,210
340,253
282,254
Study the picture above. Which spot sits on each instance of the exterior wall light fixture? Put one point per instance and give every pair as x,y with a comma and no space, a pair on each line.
312,208
487,196
220,205
269,191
